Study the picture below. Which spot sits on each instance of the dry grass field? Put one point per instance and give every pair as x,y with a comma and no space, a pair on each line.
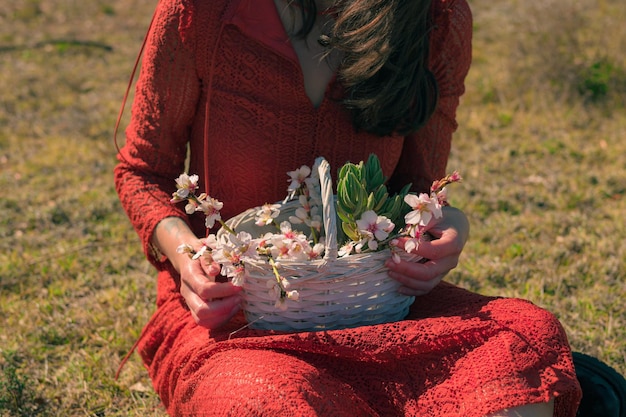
541,144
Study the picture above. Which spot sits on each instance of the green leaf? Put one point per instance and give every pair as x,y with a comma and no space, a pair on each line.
374,177
357,192
350,230
345,216
371,202
380,197
344,200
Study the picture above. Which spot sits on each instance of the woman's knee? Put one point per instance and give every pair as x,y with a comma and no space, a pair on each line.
250,382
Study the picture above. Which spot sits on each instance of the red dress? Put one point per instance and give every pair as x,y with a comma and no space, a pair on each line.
222,78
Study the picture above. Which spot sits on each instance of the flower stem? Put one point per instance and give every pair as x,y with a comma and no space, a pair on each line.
226,227
283,291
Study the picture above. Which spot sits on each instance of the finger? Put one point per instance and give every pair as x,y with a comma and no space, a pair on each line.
214,313
420,278
446,246
210,267
420,271
217,312
207,290
421,287
215,322
412,286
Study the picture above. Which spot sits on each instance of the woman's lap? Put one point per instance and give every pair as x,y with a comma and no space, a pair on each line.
458,354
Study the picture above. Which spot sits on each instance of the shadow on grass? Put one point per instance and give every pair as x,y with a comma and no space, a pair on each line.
61,44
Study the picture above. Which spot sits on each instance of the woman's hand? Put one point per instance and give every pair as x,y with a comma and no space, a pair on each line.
441,254
212,304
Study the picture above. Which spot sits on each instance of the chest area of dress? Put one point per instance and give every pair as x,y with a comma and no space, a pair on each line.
258,103
268,73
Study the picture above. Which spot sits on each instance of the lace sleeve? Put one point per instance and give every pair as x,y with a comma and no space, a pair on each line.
425,153
156,139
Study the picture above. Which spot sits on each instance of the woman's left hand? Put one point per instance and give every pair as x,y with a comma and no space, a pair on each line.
441,254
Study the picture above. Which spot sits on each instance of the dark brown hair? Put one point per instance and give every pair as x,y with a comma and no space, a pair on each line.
385,67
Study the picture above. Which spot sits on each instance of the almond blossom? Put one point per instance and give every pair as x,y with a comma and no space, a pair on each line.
425,208
346,249
267,214
279,290
185,185
374,228
411,245
307,214
298,177
211,209
316,251
448,179
290,244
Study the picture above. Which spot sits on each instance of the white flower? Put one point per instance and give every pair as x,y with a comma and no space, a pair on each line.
442,195
316,251
185,185
367,240
267,214
425,208
374,228
315,219
411,245
211,209
243,244
346,249
199,254
236,273
184,248
301,215
210,241
274,291
298,177
395,257
307,214
290,246
232,251
190,208
314,189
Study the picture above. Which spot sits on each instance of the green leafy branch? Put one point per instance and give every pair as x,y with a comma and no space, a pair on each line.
361,187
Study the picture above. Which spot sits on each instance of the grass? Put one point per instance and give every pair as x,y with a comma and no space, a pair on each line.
540,145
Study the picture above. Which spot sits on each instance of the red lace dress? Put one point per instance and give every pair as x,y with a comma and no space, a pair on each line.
224,71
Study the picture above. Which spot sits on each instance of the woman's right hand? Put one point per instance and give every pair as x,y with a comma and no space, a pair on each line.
212,304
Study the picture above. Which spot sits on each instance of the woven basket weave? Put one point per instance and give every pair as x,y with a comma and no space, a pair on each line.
334,292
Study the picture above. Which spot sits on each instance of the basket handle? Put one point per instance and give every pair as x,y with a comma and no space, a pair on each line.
328,208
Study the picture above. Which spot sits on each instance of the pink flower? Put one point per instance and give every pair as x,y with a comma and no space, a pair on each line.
455,177
442,196
424,207
211,209
298,178
316,251
411,245
185,185
267,214
346,249
374,228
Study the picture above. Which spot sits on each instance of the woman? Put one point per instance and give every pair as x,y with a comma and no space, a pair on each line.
256,88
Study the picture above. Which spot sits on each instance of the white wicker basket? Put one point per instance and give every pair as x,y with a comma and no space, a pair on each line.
334,292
